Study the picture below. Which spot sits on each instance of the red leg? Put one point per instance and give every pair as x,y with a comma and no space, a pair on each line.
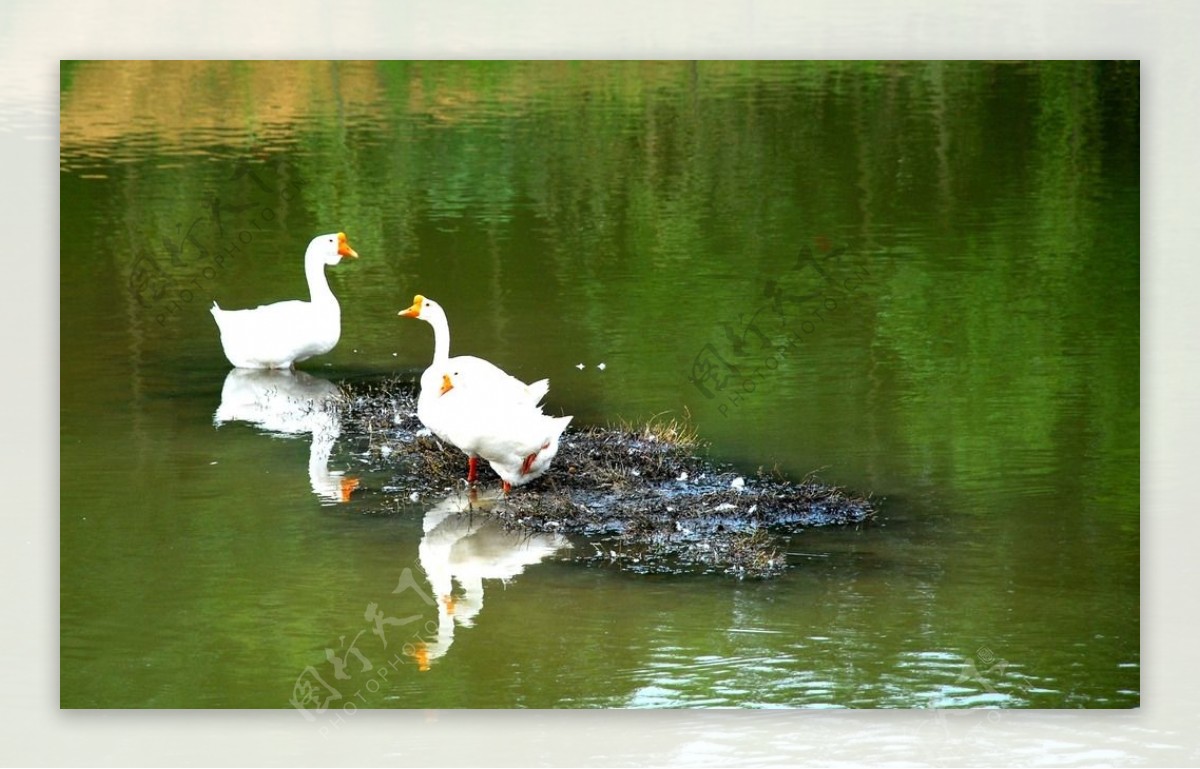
472,469
507,487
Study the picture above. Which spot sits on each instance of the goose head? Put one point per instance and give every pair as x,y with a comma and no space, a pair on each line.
424,308
331,248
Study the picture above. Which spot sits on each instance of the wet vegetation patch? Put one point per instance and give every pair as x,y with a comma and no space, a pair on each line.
642,496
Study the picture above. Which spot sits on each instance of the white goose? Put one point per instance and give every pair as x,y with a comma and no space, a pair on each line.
280,335
516,439
500,388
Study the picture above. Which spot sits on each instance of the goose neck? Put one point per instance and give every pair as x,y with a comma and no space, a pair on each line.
318,284
441,338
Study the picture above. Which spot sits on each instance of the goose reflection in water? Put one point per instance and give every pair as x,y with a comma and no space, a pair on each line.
462,544
290,403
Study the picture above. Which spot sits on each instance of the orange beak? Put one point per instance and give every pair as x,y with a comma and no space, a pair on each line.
447,385
415,310
344,247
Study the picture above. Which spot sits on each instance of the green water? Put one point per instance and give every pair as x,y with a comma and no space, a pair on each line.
919,279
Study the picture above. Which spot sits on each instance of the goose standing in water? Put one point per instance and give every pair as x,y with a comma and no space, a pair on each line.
282,334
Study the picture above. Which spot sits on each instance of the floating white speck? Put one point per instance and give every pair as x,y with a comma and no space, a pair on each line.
356,350
682,476
601,366
752,508
725,506
579,366
738,483
213,462
394,354
636,473
414,497
385,450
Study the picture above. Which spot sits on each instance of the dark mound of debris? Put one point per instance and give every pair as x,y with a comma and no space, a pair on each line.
642,496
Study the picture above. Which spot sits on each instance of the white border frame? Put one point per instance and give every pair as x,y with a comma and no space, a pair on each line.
37,34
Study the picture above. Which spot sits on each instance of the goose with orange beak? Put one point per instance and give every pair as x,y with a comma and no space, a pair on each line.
280,335
492,384
517,440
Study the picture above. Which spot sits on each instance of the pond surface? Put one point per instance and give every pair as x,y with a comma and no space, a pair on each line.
918,280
